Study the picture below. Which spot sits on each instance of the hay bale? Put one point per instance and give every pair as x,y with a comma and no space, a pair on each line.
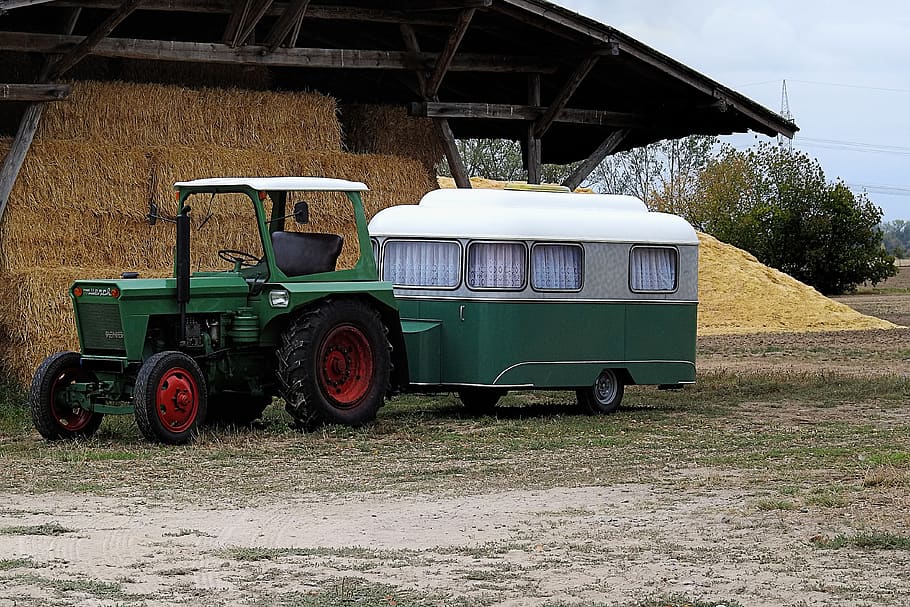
127,114
738,294
386,129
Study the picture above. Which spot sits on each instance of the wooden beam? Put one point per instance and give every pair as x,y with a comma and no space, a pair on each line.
442,5
235,21
8,5
565,94
228,7
85,47
533,144
590,163
17,152
495,111
293,15
257,55
453,156
413,47
34,92
448,51
257,11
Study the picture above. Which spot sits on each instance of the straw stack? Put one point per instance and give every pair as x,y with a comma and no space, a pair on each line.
79,206
119,113
385,129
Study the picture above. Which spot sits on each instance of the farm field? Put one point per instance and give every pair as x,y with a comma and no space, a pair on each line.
781,478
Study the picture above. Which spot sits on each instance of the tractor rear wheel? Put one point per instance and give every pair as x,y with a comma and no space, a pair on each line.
170,398
53,419
333,365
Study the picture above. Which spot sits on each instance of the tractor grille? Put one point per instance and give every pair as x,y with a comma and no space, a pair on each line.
101,328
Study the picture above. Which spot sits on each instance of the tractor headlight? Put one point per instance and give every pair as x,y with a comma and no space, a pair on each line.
279,299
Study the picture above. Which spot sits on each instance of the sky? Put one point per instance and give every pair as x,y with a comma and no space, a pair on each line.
846,64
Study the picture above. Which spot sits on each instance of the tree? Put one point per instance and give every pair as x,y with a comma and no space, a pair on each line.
664,174
777,205
501,159
897,237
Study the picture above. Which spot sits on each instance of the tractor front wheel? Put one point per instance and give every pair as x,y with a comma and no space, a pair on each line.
333,365
170,398
53,417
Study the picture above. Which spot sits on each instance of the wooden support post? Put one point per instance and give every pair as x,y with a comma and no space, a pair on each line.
584,169
533,145
16,155
82,50
288,21
413,48
448,52
453,156
246,29
34,92
562,99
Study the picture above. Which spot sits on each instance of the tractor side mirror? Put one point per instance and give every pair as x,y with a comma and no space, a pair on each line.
153,213
301,212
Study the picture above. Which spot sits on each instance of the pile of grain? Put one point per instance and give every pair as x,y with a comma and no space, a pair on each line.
739,295
79,206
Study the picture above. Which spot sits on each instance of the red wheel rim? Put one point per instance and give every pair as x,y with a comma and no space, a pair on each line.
71,419
177,400
345,366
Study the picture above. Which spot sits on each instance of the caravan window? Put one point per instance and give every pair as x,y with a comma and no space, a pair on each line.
653,269
556,267
497,265
422,263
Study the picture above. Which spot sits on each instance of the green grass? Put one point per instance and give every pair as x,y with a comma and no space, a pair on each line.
537,440
17,563
866,540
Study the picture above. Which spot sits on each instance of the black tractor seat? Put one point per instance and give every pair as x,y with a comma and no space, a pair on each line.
302,253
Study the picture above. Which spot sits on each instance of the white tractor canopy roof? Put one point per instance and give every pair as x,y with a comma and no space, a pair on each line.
573,224
277,184
524,199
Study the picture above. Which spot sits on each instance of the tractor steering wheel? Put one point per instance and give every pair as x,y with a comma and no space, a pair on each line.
240,259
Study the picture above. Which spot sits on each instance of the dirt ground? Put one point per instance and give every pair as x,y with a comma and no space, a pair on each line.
701,532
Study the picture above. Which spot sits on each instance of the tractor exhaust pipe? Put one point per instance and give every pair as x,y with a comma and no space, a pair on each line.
182,271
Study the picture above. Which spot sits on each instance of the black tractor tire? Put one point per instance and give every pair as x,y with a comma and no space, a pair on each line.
170,398
53,422
480,401
334,364
236,408
604,396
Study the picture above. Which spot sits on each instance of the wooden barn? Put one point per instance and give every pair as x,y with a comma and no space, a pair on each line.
105,103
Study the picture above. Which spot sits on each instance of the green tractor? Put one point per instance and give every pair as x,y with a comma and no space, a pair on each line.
218,345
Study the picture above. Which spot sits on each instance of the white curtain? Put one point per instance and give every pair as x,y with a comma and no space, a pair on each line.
556,266
421,264
654,269
496,265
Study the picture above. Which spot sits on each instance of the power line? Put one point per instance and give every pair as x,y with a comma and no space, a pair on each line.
835,84
889,190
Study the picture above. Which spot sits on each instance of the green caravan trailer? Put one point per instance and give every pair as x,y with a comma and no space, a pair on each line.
504,290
